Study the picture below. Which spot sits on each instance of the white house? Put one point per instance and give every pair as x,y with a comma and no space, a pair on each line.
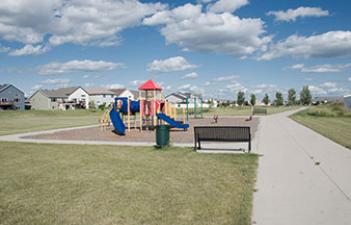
101,96
123,92
179,100
62,98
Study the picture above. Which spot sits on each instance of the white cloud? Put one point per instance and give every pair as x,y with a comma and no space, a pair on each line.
330,44
90,22
325,68
36,87
4,49
190,76
86,76
207,83
227,78
177,63
136,82
56,81
293,14
349,79
114,86
29,50
194,30
315,90
227,5
327,88
235,86
76,66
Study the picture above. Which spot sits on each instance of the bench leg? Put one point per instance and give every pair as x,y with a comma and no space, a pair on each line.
249,146
199,147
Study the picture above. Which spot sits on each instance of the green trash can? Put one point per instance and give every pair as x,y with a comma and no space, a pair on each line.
162,136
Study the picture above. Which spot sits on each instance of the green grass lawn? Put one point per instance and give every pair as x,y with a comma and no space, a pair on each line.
25,121
77,184
328,121
246,110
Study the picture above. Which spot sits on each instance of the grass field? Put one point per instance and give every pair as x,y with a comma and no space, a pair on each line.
246,110
25,121
333,122
66,184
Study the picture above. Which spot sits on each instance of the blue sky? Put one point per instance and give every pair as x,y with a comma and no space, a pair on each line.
214,47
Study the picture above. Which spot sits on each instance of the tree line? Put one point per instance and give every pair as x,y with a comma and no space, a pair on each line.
305,98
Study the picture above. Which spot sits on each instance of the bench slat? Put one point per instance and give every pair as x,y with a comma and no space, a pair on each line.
222,134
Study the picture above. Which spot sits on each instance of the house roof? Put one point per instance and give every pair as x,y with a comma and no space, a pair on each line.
150,85
118,91
59,93
99,91
177,95
5,86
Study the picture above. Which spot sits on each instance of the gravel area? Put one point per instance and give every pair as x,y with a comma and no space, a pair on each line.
177,136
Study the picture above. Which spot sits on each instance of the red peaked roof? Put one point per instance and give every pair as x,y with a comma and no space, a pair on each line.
149,85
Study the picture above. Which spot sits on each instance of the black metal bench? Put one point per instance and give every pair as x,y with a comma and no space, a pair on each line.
221,134
259,111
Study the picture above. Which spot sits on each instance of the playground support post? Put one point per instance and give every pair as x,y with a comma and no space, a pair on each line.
128,117
187,109
141,111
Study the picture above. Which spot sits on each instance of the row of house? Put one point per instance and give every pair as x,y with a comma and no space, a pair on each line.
76,97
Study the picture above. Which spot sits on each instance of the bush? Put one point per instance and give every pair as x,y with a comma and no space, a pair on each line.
330,110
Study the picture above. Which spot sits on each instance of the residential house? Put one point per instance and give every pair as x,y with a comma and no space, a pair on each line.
179,100
62,98
101,96
11,97
123,92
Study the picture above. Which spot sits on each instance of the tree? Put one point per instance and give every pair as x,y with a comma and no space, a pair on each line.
253,99
279,101
266,99
241,98
305,96
291,96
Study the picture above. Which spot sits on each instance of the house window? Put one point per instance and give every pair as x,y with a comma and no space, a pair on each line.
104,96
54,99
83,96
16,100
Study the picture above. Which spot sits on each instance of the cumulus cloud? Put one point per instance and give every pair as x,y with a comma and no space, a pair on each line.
90,22
227,78
136,82
172,64
30,50
76,66
329,44
227,5
325,68
4,49
327,88
293,14
114,86
56,81
190,76
36,87
194,30
349,79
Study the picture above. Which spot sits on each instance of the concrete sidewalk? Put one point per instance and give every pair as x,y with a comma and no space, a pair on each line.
292,189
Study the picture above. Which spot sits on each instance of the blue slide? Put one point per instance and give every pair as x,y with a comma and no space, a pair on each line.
117,122
172,122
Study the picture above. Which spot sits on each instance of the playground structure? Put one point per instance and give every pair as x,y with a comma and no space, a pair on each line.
150,110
